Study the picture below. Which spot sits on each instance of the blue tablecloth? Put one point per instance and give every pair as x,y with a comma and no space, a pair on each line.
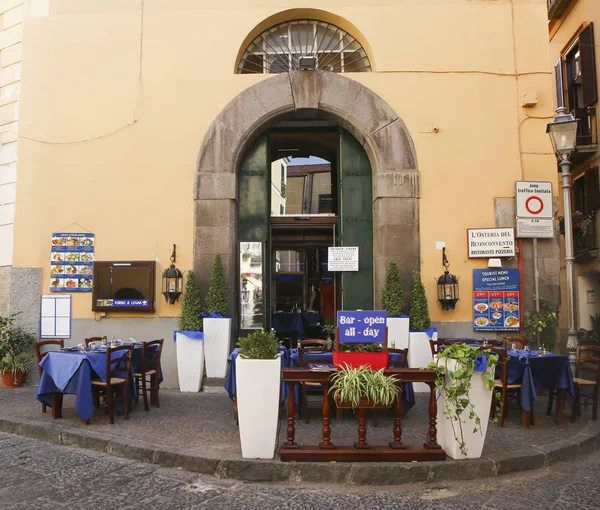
408,395
230,378
71,371
549,372
285,322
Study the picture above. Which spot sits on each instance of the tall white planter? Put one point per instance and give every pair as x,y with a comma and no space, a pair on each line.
257,395
190,362
481,398
217,336
419,354
398,332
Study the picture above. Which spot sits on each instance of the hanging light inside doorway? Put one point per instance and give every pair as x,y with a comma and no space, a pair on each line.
447,286
172,281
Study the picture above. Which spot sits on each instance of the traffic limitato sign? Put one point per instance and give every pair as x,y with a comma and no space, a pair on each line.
533,199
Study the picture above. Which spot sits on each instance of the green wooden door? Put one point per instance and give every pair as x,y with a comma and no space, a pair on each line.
356,222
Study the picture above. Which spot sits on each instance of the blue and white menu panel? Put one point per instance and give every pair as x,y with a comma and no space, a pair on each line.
72,262
496,295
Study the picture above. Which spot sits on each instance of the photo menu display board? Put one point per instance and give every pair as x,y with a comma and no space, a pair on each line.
496,295
72,261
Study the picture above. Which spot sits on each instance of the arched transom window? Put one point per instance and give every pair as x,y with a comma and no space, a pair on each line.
304,44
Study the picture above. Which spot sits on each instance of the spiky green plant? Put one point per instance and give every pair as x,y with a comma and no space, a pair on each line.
393,298
351,384
419,309
190,318
216,299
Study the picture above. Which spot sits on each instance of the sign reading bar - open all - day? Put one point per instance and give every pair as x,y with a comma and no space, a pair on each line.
364,326
491,242
342,258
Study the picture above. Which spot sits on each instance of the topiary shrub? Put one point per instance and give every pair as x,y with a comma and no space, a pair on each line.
216,299
259,345
393,297
419,309
190,318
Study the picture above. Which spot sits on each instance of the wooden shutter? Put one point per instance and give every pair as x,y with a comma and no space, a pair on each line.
589,82
356,223
558,80
592,190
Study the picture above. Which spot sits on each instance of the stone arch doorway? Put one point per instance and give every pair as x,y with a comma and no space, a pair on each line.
308,95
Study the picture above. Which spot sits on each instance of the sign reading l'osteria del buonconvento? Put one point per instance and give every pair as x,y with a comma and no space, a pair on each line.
491,242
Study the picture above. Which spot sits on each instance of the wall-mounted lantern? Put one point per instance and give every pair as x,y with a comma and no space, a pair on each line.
447,286
172,281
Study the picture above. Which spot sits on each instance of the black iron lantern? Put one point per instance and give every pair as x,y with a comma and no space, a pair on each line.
447,286
172,281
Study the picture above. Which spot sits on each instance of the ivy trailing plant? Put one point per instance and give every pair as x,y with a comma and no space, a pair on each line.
259,345
419,309
456,395
539,322
190,318
359,384
393,298
216,299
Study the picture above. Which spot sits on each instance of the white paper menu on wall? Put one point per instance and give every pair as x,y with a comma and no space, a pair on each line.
56,316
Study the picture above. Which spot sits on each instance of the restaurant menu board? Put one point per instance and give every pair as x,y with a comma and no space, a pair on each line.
496,300
364,326
72,262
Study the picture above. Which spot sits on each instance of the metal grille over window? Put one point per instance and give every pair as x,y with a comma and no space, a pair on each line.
306,45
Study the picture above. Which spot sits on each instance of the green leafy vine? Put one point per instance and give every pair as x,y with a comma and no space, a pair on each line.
456,395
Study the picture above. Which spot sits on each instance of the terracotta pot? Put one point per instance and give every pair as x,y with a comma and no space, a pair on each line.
13,381
373,360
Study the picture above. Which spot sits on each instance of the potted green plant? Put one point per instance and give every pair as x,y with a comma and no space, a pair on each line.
258,381
190,339
419,351
590,336
464,387
393,303
217,324
16,352
362,387
541,323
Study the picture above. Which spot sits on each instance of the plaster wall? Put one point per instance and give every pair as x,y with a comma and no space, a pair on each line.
110,142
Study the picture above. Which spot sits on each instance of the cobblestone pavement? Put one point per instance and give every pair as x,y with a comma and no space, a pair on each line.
203,423
38,475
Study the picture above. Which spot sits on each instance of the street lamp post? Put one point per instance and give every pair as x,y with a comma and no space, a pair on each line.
563,134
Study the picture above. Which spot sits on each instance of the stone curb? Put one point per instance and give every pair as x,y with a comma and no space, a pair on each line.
362,473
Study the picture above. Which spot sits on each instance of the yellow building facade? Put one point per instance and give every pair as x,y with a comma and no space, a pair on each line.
136,118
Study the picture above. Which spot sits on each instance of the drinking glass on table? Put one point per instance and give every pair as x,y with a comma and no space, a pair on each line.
513,347
80,347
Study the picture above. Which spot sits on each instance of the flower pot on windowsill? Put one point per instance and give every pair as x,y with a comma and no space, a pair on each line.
12,379
373,360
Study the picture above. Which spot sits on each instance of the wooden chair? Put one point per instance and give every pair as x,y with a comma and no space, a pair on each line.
149,372
39,354
403,363
520,342
501,384
587,361
88,341
118,370
309,346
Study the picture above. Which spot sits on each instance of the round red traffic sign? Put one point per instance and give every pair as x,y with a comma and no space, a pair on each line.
534,205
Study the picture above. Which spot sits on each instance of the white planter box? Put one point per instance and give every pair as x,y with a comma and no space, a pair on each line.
257,395
190,362
398,328
419,355
217,336
481,398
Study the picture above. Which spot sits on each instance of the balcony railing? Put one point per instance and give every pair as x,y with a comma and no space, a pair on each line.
585,237
556,8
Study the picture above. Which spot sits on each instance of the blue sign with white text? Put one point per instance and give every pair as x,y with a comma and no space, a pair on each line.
496,300
130,302
361,327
